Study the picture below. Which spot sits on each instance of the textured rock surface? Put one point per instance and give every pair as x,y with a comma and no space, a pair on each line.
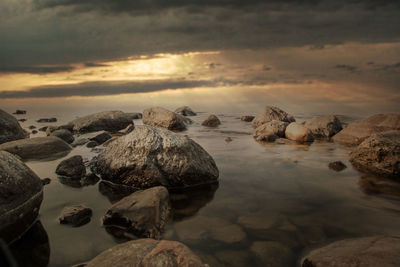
161,117
76,215
378,154
247,118
64,134
185,111
298,132
72,167
337,166
357,132
101,137
382,251
147,252
112,121
324,126
37,148
211,121
151,156
20,196
272,113
10,129
143,213
270,131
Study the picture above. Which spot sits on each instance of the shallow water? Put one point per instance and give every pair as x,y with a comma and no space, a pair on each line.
267,192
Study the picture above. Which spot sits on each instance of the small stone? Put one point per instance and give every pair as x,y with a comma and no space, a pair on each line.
32,127
228,140
337,166
91,144
34,132
19,112
47,120
46,181
247,118
211,121
76,215
185,111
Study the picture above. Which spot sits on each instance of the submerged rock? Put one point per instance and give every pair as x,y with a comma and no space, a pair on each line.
76,215
337,166
111,121
10,129
161,117
64,134
371,184
270,131
272,113
72,167
270,253
299,133
247,118
151,156
211,121
185,111
47,120
324,126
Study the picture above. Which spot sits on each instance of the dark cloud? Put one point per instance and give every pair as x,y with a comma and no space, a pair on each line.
34,69
92,64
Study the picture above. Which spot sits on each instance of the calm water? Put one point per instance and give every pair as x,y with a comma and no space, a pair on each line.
267,192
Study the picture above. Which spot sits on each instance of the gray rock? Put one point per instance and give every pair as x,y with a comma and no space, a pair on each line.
247,118
185,111
270,131
382,251
161,117
80,142
324,126
337,166
211,121
272,254
21,194
147,252
43,129
128,129
10,129
76,215
151,156
37,148
19,112
143,213
64,134
272,113
72,167
297,132
111,121
101,137
47,120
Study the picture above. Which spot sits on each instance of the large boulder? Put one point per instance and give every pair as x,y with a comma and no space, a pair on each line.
111,121
64,134
270,131
297,132
211,121
382,251
185,111
147,252
21,194
324,126
72,167
37,148
378,154
272,113
161,117
144,213
150,156
10,129
357,132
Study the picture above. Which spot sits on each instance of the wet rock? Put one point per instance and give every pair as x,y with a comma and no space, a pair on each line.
91,144
22,120
21,194
270,253
228,140
19,112
299,133
134,115
32,127
46,181
357,132
337,166
147,252
10,129
34,132
247,118
43,129
47,120
211,121
72,167
111,121
324,126
90,179
76,215
37,148
80,142
161,117
50,129
143,213
185,111
151,156
128,129
272,113
101,137
64,135
368,251
270,131
378,154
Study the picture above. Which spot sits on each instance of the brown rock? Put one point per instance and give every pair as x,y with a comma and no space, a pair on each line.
272,113
185,111
270,131
111,121
324,126
10,129
247,118
161,117
298,132
76,215
72,167
211,121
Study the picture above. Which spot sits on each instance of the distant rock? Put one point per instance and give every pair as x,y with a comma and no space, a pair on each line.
21,120
147,252
211,121
297,132
10,129
324,126
247,118
72,167
64,134
151,156
161,117
42,120
143,213
185,111
76,215
46,181
100,138
337,166
270,131
19,112
32,127
34,132
111,121
228,139
357,132
272,113
37,148
270,253
80,142
382,251
43,129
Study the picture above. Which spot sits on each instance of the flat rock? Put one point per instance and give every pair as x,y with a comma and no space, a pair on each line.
10,129
111,121
297,132
76,215
72,167
247,118
211,121
64,134
272,254
185,111
272,113
324,126
270,131
161,117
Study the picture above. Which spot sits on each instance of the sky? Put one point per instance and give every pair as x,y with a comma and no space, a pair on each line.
309,56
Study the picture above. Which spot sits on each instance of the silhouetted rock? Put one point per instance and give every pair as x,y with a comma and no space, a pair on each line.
247,118
34,132
270,131
272,113
10,129
297,132
185,111
211,121
111,121
72,167
76,215
64,134
19,112
324,126
32,127
228,139
46,181
42,120
337,166
161,117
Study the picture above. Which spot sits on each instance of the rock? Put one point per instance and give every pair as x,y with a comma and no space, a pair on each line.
37,148
101,137
90,179
147,252
91,144
134,115
257,222
234,258
72,167
185,111
272,113
76,215
115,192
143,213
43,129
378,154
47,120
22,120
247,118
10,129
161,117
337,166
228,140
324,126
32,127
80,142
270,131
46,181
151,156
128,129
211,121
357,132
34,132
111,121
19,112
270,253
298,132
69,126
64,135
382,251
379,185
21,193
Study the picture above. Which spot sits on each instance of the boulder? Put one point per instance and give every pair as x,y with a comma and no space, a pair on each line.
111,121
72,167
211,121
297,132
161,117
64,134
10,129
21,193
151,156
337,166
100,138
270,253
378,154
357,132
270,131
247,118
144,213
76,215
272,113
147,252
47,120
324,126
37,148
382,251
185,111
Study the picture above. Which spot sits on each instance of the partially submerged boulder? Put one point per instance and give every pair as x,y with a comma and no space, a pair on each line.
270,131
211,121
185,111
337,166
111,121
324,126
76,215
161,117
272,113
247,118
64,134
151,156
72,167
10,129
297,132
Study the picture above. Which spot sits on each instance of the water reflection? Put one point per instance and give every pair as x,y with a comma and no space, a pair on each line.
378,185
